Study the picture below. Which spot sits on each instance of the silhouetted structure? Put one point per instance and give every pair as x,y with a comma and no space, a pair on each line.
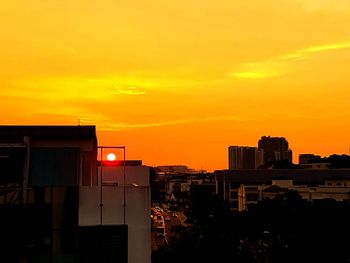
41,168
275,149
244,157
176,170
334,161
54,207
242,188
305,158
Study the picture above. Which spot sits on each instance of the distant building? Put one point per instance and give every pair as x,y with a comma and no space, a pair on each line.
307,157
275,149
244,157
175,169
177,188
54,206
315,166
242,188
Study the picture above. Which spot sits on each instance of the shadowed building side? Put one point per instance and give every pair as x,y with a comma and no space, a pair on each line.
48,175
244,157
275,149
41,170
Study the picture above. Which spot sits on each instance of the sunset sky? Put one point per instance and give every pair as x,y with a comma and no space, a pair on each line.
177,82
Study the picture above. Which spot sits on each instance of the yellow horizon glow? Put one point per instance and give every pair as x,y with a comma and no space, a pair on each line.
177,82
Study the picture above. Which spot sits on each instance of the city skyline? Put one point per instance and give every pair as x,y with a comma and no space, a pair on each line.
178,82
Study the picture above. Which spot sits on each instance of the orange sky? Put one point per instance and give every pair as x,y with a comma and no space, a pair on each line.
177,82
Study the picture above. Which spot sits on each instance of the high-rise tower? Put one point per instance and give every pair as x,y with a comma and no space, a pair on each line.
244,157
275,149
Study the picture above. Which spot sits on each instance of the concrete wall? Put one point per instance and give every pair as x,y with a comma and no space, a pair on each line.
137,209
133,175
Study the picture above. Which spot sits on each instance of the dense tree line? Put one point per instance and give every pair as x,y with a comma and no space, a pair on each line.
284,229
335,161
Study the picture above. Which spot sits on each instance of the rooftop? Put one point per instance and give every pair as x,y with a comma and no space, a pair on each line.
13,133
298,175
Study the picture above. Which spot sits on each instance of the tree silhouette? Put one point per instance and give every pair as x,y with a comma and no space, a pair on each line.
284,229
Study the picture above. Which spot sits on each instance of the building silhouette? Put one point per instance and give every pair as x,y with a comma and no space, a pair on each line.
242,188
275,149
305,158
244,157
59,204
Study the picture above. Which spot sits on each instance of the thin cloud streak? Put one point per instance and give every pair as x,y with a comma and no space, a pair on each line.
128,91
124,126
69,89
278,66
106,123
314,49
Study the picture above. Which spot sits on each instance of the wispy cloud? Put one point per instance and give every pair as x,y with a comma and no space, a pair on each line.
72,116
61,89
254,74
123,126
128,91
314,49
105,122
277,66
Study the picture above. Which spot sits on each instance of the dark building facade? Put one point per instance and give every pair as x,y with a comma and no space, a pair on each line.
244,157
306,157
58,204
41,168
275,149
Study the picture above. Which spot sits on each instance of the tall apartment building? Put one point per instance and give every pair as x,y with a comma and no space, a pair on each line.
244,157
275,149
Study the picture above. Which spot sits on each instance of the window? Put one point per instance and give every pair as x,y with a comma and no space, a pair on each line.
234,185
234,204
220,188
103,244
252,197
55,166
234,194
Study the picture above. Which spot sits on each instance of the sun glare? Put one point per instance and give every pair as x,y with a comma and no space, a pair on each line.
111,157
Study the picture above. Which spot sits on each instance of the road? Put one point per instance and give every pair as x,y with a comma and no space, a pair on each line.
179,219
